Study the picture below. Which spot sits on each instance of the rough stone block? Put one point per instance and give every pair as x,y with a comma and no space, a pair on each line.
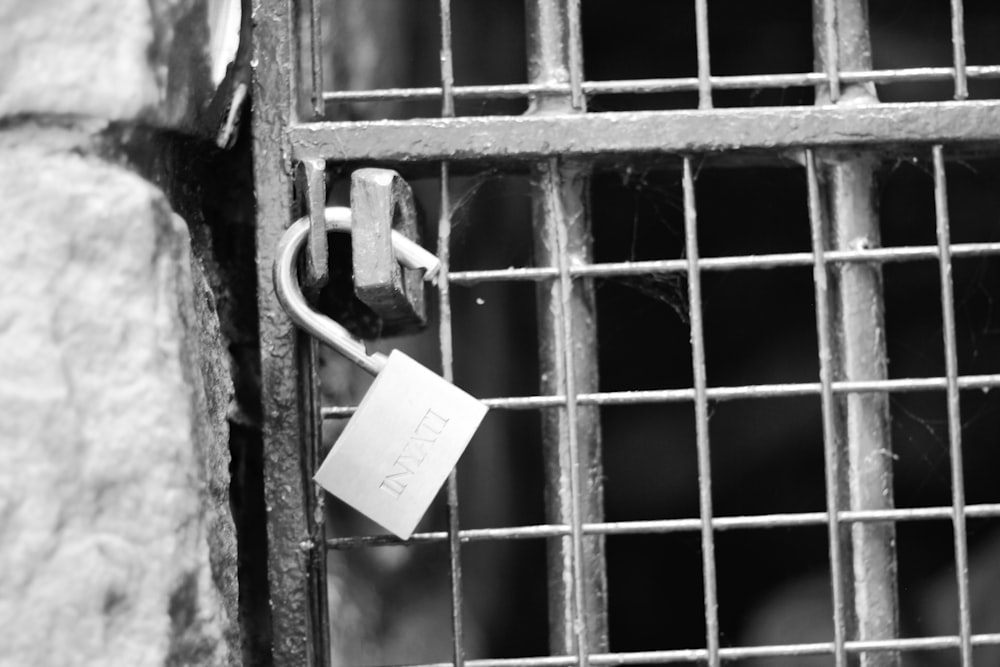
111,59
116,543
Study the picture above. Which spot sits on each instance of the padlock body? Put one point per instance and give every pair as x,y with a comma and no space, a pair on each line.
399,447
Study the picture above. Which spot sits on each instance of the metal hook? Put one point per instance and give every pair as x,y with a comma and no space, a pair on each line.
286,285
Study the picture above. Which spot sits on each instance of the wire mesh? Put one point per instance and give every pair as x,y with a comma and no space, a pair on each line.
839,68
853,386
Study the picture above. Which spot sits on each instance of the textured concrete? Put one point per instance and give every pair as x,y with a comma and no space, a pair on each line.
116,544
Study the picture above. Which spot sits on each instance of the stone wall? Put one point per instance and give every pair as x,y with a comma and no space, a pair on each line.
117,542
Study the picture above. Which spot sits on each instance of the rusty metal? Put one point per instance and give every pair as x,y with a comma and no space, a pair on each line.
290,408
844,186
381,203
838,143
567,348
825,334
401,250
640,133
318,250
316,60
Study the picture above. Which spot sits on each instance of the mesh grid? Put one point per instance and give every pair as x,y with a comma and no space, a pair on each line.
570,395
699,89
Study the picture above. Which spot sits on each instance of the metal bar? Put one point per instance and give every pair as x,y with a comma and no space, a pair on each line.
958,49
316,60
736,262
831,437
296,566
447,63
567,344
312,548
580,475
704,64
701,419
691,656
447,371
641,133
671,85
575,56
831,58
317,255
900,385
954,406
846,183
664,526
445,337
863,358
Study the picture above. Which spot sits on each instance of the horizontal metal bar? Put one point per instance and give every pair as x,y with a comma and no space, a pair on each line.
785,520
779,260
731,653
660,85
645,133
896,385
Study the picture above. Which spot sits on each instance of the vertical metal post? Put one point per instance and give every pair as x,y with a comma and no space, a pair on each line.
958,49
954,406
848,191
316,60
567,348
296,563
704,66
444,334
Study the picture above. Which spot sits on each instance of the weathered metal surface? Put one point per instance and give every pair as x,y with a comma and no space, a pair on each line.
837,533
699,374
633,134
318,256
401,250
732,263
958,50
293,303
863,460
445,340
295,527
665,85
959,509
841,141
700,655
731,393
567,350
380,202
663,526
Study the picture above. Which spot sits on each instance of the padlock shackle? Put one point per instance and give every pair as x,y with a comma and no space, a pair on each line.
286,286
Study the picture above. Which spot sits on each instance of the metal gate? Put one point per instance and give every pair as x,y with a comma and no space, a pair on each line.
836,144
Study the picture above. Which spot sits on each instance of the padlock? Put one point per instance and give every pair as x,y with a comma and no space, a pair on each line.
410,428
